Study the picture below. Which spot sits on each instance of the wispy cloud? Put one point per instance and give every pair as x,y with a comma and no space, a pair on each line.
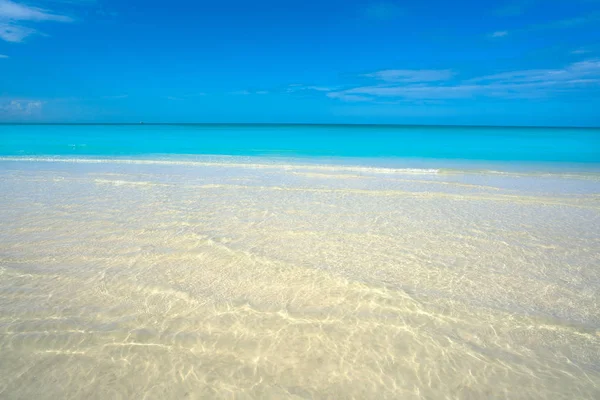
3,56
579,70
383,11
408,75
345,96
583,20
511,84
15,17
20,107
14,33
319,88
498,34
21,12
581,51
297,87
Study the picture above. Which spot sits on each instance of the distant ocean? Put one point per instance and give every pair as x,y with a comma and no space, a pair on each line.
493,144
299,261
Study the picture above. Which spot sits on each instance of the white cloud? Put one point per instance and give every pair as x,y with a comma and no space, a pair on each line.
590,18
344,96
297,87
511,84
522,90
18,108
14,33
580,51
14,15
319,88
578,70
20,12
408,75
415,92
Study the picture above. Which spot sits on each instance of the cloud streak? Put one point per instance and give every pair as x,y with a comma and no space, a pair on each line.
407,75
345,96
593,17
14,18
296,87
15,33
20,12
20,107
579,70
511,84
580,51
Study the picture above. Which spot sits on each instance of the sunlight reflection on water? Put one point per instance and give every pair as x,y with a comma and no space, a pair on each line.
208,280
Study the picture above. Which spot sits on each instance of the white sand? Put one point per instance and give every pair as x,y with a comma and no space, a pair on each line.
146,280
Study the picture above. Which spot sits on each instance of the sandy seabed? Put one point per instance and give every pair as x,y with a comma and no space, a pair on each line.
129,279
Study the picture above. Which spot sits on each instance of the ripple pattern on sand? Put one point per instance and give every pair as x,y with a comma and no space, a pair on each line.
124,280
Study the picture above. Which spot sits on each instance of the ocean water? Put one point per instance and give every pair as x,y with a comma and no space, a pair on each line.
576,145
299,262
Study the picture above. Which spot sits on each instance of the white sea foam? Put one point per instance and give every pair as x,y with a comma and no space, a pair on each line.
278,165
587,173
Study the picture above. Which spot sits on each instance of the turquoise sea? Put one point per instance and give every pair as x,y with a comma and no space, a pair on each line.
296,261
564,145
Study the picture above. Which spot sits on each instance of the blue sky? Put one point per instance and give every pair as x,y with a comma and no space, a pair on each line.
523,62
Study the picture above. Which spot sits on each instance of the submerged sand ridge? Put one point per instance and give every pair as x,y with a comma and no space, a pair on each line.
195,281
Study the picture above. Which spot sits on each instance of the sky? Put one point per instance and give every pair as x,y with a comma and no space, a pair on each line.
496,62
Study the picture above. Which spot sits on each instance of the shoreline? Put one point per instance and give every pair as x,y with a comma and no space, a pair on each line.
368,165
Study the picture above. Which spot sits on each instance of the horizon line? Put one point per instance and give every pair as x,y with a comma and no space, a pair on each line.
303,124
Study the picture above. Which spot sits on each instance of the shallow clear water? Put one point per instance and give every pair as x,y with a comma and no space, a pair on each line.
263,278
